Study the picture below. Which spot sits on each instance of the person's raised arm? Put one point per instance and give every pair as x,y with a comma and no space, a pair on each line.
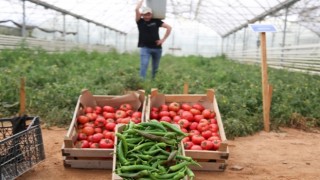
167,33
138,14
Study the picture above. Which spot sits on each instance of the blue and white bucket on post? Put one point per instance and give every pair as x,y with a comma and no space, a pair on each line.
158,8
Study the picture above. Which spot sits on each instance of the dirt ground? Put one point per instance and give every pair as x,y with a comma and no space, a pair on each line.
286,155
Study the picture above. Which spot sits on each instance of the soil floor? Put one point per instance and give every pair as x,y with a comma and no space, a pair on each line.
289,154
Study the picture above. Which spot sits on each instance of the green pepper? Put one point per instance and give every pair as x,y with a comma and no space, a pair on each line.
136,168
134,140
153,152
190,173
173,128
120,154
124,143
156,138
179,176
155,125
134,175
146,144
179,166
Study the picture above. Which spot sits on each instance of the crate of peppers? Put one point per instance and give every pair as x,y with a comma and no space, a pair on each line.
150,150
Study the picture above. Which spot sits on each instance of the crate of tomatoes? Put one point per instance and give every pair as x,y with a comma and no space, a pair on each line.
199,116
89,141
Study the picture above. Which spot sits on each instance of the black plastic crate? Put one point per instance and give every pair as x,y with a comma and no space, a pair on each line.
21,146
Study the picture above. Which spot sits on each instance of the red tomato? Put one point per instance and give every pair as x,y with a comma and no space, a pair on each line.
198,106
214,127
109,120
206,134
176,119
82,136
97,137
125,107
125,120
108,134
183,123
88,130
120,114
213,121
108,109
185,139
164,107
108,115
106,143
187,145
184,130
198,117
206,113
89,124
100,121
172,114
213,114
197,139
216,144
196,147
154,109
90,139
83,119
187,115
193,126
185,106
204,121
88,109
193,132
136,114
165,118
174,106
92,116
195,111
203,127
154,115
129,112
212,138
97,130
207,145
82,144
98,110
136,120
94,145
110,126
163,113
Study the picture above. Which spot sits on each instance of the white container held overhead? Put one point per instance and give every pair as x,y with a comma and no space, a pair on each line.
158,8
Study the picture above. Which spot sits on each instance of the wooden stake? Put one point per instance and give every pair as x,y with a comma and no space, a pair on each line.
265,84
22,97
185,88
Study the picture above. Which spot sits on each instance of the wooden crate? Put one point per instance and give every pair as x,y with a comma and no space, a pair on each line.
119,129
95,158
210,160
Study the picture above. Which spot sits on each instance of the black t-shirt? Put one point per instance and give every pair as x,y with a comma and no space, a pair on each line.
149,32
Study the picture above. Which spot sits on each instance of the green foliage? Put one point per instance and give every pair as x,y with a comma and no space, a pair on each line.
55,80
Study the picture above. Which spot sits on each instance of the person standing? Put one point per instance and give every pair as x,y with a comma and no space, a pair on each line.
149,41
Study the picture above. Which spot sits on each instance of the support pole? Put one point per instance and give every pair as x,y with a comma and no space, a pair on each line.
284,34
186,88
22,97
266,88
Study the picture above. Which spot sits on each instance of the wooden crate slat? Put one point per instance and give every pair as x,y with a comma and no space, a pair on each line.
207,155
87,163
79,152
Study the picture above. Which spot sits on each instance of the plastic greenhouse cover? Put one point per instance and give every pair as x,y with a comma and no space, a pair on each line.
219,16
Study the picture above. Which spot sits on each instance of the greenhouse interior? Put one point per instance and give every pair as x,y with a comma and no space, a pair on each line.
235,96
200,27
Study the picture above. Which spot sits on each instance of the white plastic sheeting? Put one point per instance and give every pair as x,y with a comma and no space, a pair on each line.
197,24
